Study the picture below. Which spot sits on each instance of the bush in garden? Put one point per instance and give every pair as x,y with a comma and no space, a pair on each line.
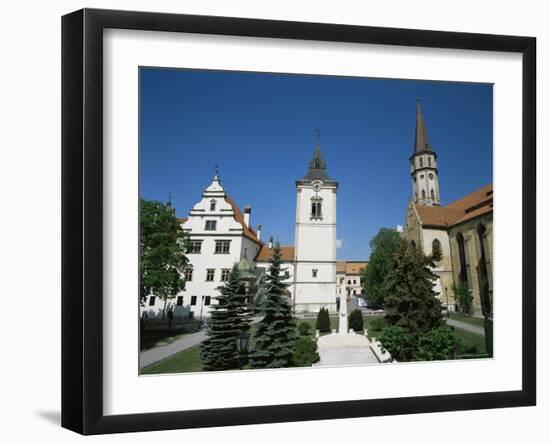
323,320
355,320
304,352
438,344
304,328
463,296
395,340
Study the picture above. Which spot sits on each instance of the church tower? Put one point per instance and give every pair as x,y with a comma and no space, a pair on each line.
425,181
315,238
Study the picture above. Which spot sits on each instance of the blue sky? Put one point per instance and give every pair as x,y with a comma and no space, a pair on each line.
260,129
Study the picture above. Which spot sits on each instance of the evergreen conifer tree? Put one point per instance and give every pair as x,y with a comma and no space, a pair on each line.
229,316
411,302
274,337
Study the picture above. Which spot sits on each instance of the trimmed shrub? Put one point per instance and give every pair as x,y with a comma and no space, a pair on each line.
355,320
304,352
304,329
323,320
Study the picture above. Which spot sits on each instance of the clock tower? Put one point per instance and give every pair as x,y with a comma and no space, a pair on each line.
315,238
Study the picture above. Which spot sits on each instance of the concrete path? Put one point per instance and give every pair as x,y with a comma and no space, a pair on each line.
345,350
466,326
159,353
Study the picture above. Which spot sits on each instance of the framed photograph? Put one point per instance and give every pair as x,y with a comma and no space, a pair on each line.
268,221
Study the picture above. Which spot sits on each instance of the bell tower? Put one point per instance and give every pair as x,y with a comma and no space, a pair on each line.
425,180
315,238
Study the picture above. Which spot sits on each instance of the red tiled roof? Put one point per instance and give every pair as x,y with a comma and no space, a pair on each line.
239,218
265,253
351,267
181,220
473,205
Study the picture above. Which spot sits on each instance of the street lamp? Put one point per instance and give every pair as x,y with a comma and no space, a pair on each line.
242,348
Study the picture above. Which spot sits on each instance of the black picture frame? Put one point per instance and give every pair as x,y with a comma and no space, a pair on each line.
82,218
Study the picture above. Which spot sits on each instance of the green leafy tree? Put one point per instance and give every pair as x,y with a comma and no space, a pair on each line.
463,296
163,245
228,318
411,302
274,337
383,246
355,320
304,352
438,344
323,320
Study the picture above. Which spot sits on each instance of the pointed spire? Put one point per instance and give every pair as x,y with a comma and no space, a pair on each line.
421,141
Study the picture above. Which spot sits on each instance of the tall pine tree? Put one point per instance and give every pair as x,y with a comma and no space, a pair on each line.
229,317
274,337
411,302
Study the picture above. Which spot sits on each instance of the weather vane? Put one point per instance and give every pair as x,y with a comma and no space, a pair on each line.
217,170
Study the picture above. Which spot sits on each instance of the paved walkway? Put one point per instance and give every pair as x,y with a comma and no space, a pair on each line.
345,350
159,353
466,326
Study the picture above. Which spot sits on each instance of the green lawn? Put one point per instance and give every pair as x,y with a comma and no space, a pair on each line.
184,361
476,321
470,343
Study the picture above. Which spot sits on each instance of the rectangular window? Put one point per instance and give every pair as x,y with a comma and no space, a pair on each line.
189,274
314,271
225,274
287,274
195,247
213,205
193,300
349,282
179,301
152,300
210,275
222,246
210,225
207,300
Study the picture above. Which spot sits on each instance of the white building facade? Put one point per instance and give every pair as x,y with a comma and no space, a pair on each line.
315,239
221,236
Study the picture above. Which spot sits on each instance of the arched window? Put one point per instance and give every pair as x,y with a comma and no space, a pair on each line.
463,272
420,161
316,207
437,252
423,193
413,244
432,194
429,161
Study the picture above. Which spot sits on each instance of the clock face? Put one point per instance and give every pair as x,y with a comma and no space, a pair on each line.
317,185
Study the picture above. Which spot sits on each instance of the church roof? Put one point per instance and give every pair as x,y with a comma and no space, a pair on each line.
317,169
239,218
265,253
421,141
473,205
351,267
181,220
